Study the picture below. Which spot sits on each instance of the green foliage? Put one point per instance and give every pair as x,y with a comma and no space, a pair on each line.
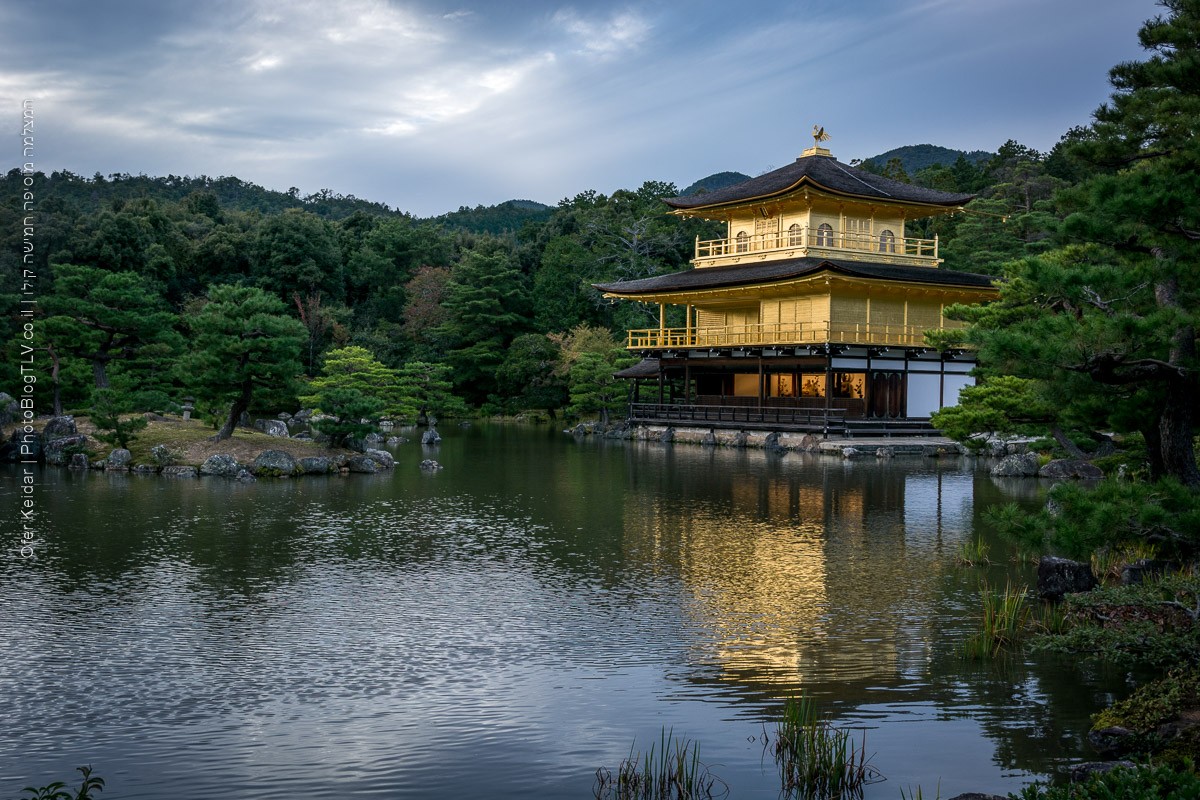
347,408
673,771
1110,327
103,317
718,180
242,343
1152,625
1081,520
530,375
486,302
815,759
353,386
91,785
1140,783
592,388
426,389
108,406
1001,404
915,157
1155,703
506,217
296,253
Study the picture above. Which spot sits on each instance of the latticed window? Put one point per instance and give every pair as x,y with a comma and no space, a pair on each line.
795,237
743,242
887,242
825,235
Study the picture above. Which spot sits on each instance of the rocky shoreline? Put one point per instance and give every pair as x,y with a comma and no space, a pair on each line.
1011,456
59,442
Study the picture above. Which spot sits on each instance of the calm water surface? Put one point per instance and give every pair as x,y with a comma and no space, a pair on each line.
507,625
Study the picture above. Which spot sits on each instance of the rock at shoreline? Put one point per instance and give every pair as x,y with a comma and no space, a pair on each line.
1062,576
1018,465
1112,742
316,465
431,436
118,459
10,409
395,440
274,464
381,457
1137,572
430,465
79,461
164,456
59,427
179,471
144,469
244,476
1081,772
272,427
221,465
362,463
55,450
11,451
885,452
1071,468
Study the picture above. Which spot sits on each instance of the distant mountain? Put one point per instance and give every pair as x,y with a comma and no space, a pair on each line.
713,182
510,215
916,157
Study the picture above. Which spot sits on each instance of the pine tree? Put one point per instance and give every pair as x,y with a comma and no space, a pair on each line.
243,342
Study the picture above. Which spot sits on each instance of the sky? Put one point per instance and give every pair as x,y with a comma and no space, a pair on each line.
428,105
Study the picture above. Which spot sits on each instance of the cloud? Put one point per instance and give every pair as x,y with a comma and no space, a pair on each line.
624,30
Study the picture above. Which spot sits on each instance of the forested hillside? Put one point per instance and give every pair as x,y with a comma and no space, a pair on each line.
493,304
916,157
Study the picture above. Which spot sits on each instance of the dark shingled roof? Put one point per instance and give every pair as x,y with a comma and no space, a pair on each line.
646,368
772,271
825,172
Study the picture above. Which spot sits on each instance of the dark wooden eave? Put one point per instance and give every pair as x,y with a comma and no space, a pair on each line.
774,271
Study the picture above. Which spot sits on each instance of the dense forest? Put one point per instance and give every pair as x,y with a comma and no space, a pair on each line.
153,289
498,297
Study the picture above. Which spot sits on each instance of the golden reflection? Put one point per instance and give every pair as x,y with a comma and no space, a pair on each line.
797,572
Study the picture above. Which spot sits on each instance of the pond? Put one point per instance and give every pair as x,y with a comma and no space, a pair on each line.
505,626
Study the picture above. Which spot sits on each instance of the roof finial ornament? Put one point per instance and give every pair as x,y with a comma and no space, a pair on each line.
819,135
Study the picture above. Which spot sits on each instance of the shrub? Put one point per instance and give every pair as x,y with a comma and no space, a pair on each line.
1144,783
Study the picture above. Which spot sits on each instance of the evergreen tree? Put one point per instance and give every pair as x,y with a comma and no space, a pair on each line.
243,342
1110,327
426,390
103,317
486,302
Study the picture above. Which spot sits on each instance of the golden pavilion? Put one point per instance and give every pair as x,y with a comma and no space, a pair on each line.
811,313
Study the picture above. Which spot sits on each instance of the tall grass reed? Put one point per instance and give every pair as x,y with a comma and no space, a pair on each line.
1005,614
972,552
816,760
673,771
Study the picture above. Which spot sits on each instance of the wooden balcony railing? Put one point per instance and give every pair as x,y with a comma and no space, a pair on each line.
801,242
780,334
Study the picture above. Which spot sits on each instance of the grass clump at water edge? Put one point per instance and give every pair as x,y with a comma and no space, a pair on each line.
673,771
1005,614
815,759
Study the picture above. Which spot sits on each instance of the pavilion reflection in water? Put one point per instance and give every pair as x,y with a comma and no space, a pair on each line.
803,572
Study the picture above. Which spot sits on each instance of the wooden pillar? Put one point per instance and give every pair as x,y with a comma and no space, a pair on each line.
688,315
662,324
660,382
687,380
762,384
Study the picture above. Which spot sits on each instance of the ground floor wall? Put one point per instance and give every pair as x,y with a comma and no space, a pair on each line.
895,384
